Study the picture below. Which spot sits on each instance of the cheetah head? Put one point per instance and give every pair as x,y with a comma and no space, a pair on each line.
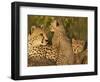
37,36
54,25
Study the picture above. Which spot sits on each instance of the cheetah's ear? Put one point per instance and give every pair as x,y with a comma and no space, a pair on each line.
73,40
32,28
53,23
42,26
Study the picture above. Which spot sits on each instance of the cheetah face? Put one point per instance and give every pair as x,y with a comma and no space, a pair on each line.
77,45
38,36
54,26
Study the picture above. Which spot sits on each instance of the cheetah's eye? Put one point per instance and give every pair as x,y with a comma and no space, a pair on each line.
41,34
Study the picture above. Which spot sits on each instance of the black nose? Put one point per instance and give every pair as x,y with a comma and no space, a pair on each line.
46,40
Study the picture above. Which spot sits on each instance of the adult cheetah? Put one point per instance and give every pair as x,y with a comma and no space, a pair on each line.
39,52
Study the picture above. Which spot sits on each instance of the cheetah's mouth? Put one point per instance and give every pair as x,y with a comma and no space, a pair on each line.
44,42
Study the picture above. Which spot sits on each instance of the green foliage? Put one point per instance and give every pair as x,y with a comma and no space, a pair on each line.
75,27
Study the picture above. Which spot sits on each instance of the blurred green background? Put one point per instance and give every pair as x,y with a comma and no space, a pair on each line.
75,27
